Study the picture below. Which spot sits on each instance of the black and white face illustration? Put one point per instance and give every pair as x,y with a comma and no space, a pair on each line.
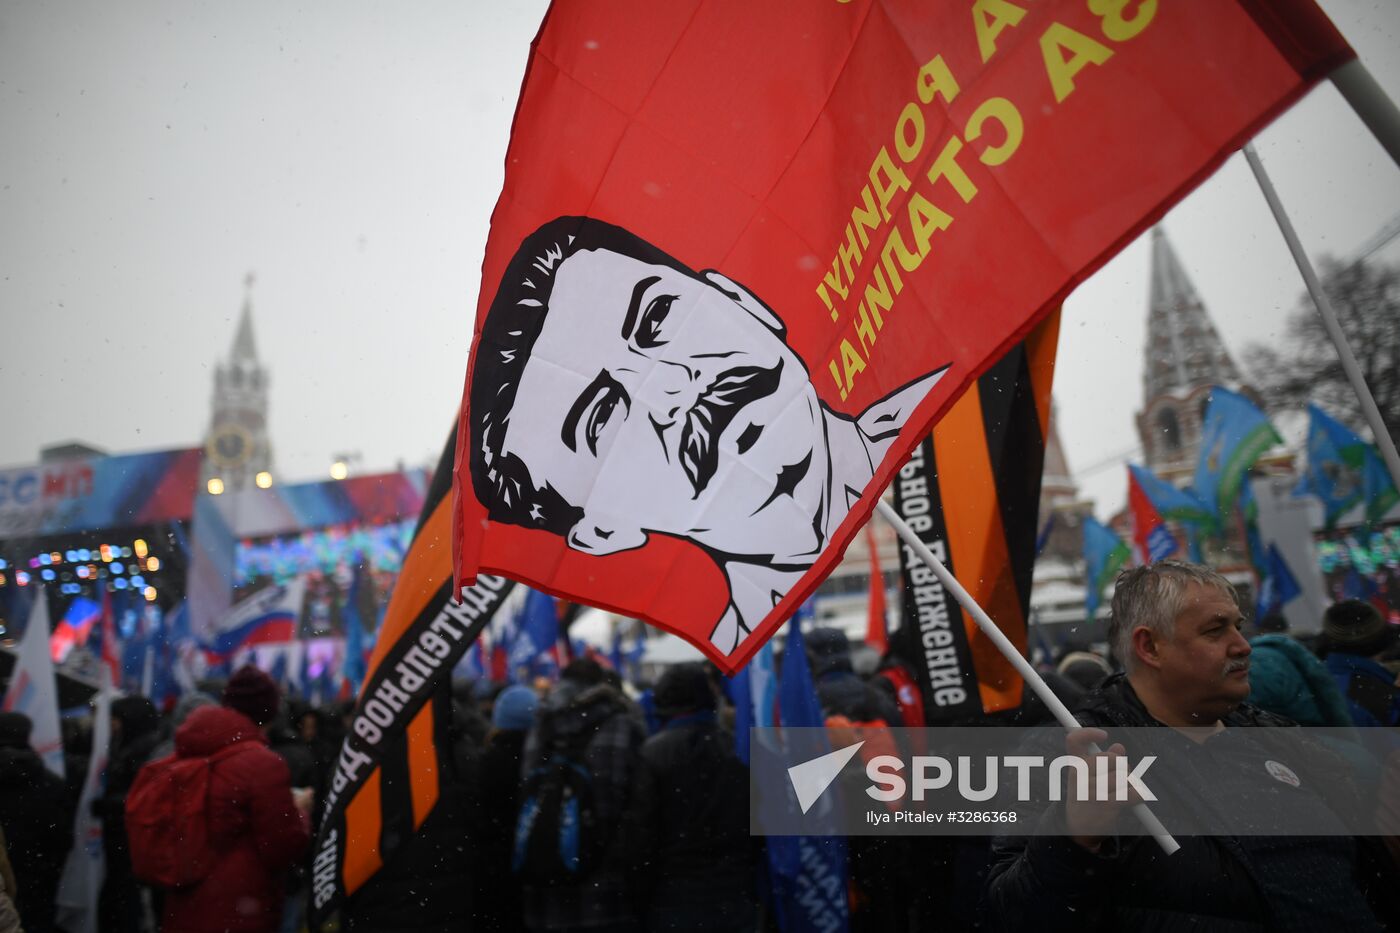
664,401
617,394
652,398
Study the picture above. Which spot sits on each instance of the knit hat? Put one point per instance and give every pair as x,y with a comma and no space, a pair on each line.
684,688
254,694
1356,627
14,730
515,709
137,714
1084,668
828,649
188,704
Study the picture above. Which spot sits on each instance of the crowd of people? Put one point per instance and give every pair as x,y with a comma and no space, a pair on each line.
657,798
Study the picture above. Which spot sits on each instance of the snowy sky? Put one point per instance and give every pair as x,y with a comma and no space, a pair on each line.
156,152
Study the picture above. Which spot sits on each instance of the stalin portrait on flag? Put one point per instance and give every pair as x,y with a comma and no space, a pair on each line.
701,422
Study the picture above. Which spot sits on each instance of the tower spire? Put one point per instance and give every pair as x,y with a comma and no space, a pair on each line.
1184,351
243,346
237,450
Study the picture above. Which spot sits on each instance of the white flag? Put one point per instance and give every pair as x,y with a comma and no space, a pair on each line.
87,864
33,690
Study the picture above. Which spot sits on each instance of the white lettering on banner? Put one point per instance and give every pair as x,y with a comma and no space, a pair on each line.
818,887
391,694
945,674
323,870
48,497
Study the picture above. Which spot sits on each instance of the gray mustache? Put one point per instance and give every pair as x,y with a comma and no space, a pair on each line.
713,411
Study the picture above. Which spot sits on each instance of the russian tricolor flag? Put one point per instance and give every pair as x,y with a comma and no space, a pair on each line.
74,628
269,615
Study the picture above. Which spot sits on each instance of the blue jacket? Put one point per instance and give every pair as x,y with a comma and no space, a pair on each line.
1288,680
1368,687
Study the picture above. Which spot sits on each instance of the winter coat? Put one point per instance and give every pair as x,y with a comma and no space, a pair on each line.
1227,883
605,896
119,905
1369,688
253,824
36,814
692,801
498,901
1287,679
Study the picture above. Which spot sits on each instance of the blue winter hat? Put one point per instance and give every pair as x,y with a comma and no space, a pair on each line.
515,708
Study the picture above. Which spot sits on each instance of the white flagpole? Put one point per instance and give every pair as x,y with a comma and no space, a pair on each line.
81,882
1032,677
1329,316
1372,105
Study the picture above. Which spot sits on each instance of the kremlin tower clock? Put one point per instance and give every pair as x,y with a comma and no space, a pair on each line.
237,452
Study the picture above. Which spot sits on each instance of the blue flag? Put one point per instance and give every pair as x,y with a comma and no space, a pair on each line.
615,652
279,670
1343,470
1175,505
165,688
1277,587
1234,434
536,632
1104,556
755,693
808,873
1356,585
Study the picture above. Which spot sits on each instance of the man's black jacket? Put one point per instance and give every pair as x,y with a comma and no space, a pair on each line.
1224,883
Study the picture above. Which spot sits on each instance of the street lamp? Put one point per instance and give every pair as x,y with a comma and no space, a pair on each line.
340,467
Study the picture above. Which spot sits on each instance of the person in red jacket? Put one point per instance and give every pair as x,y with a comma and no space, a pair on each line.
256,826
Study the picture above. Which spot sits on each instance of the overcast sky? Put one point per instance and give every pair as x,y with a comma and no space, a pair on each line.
154,153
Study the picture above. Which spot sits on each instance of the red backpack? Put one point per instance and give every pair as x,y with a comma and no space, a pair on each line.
167,819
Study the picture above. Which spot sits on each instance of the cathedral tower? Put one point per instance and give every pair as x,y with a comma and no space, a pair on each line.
1185,357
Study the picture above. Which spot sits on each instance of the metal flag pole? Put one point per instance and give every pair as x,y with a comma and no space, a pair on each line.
984,622
1371,104
1329,317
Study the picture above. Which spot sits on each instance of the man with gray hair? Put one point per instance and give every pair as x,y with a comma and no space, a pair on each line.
1176,629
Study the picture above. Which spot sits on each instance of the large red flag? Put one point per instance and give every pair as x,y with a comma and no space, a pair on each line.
747,253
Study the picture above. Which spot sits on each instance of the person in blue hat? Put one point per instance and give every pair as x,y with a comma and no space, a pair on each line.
498,905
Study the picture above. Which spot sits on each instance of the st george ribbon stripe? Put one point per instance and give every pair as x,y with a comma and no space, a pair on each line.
972,492
387,779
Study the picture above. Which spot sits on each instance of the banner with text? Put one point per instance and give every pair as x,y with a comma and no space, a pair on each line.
747,254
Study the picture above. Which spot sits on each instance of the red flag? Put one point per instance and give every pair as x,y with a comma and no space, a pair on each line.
111,655
875,634
747,253
500,663
1152,540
